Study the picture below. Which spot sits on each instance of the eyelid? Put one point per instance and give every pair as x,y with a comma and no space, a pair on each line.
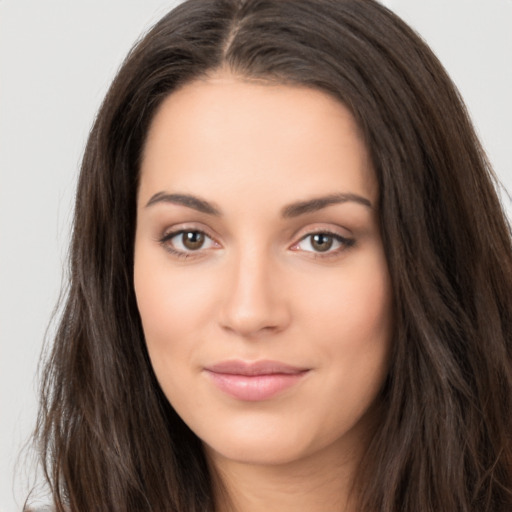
345,241
184,227
337,231
170,232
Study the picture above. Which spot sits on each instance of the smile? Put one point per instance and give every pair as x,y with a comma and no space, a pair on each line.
256,381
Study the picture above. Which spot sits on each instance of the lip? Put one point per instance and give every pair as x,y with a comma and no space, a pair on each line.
254,381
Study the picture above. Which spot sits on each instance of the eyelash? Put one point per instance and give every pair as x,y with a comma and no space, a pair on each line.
180,254
346,243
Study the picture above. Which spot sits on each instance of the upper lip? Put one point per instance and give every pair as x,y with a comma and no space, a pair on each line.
251,368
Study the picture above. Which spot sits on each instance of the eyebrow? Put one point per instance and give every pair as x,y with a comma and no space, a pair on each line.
315,204
289,211
185,200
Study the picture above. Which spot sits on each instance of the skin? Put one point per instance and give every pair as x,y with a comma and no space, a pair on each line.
260,289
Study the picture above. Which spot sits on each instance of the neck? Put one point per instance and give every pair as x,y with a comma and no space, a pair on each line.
316,484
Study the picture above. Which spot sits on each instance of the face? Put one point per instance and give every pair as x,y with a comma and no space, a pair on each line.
259,269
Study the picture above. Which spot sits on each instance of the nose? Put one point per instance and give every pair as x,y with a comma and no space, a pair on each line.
254,303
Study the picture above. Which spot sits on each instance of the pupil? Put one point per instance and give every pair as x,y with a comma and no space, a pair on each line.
193,239
322,242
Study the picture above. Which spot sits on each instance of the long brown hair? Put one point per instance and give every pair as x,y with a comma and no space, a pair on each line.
108,437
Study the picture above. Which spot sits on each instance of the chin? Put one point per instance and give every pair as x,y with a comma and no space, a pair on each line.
265,452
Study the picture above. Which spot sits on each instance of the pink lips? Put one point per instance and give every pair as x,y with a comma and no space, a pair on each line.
256,381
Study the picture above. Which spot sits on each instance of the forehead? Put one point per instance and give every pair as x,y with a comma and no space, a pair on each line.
227,129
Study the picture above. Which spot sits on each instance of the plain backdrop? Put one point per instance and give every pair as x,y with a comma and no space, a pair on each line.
57,58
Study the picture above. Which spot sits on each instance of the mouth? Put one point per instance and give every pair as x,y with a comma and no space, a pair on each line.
254,381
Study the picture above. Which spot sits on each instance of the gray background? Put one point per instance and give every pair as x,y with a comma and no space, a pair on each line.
57,58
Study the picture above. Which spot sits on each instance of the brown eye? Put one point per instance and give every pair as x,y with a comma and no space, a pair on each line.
324,243
193,240
184,242
321,242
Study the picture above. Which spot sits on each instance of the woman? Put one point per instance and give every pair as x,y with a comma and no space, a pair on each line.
290,277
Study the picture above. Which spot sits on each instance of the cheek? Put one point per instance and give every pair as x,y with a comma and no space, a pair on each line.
355,338
367,309
354,326
354,306
171,301
168,309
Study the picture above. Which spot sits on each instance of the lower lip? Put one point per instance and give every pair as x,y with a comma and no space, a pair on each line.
253,388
